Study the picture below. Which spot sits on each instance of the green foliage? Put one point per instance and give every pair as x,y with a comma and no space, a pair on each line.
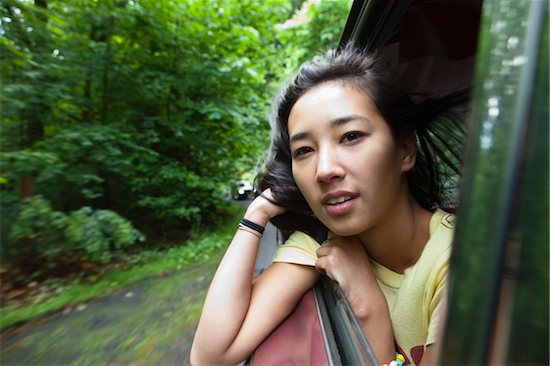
319,33
100,233
105,166
95,163
36,231
24,163
40,233
146,108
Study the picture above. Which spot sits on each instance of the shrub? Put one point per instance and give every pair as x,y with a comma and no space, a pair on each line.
40,235
100,234
36,233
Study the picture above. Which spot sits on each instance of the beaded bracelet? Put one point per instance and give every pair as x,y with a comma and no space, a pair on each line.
399,360
252,225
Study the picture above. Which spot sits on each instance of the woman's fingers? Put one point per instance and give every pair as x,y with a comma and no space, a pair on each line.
341,259
328,261
321,267
263,208
267,195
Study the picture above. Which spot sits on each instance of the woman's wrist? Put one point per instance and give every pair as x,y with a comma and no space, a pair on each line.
250,231
251,225
256,217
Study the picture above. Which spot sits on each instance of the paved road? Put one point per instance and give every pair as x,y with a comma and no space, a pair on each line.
151,322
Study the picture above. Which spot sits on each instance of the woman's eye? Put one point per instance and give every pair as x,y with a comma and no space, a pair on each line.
302,151
351,136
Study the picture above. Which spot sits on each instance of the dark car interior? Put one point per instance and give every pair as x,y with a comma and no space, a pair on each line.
430,44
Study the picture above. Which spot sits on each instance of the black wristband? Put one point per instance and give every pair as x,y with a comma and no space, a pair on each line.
252,225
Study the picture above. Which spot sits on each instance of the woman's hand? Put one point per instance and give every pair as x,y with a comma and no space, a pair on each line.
345,261
262,209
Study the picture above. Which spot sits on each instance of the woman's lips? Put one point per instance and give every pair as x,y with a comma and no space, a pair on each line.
339,205
340,199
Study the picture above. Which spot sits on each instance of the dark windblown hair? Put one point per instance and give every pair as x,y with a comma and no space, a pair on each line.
437,123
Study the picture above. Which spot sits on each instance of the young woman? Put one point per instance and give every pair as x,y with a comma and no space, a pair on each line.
353,155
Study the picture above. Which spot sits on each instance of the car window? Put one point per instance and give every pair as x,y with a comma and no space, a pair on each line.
498,305
345,341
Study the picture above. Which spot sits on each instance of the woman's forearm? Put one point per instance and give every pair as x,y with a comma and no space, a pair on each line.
371,309
227,301
228,328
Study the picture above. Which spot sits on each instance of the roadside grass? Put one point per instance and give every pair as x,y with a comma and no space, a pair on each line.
200,248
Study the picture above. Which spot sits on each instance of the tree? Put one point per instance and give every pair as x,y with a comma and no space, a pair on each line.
314,31
150,106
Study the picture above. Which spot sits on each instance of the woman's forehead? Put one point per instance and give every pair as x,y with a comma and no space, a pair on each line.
330,101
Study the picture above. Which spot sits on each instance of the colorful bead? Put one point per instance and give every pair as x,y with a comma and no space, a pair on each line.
399,359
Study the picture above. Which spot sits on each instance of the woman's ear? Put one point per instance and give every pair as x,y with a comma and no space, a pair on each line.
408,153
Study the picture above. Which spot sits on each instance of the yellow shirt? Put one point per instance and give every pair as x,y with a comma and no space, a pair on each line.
414,297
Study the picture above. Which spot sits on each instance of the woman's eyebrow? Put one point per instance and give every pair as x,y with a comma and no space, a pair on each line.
334,123
343,120
298,136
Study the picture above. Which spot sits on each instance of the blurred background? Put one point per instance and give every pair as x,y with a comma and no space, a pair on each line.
128,129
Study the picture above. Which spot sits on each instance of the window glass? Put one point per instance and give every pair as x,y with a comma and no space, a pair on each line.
528,343
500,163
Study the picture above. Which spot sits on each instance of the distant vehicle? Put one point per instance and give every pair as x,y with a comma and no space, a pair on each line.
498,282
243,190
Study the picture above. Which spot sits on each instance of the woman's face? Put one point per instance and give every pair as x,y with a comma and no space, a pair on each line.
344,158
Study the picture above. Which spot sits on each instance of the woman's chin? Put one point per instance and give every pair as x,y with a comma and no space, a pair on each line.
340,230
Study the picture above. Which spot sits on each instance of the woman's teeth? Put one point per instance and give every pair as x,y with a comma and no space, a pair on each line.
335,201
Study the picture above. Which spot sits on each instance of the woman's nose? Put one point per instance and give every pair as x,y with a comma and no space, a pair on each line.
329,167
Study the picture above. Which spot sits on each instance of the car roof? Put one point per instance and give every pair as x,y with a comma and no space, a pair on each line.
430,44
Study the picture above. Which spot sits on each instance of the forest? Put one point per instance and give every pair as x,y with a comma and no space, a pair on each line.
124,123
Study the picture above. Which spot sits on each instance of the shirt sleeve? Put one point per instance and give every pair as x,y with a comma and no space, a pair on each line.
299,248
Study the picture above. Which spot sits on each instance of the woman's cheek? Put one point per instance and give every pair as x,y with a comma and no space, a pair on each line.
300,179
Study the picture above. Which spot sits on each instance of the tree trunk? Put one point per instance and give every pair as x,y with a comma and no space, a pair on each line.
27,186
